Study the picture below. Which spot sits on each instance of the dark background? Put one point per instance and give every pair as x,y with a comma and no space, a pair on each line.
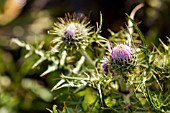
154,16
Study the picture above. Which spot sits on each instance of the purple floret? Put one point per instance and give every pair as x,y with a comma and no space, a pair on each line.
121,53
71,30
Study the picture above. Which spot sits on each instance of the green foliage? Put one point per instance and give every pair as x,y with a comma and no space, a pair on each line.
79,83
90,90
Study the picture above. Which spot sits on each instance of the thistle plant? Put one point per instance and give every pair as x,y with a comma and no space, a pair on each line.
129,78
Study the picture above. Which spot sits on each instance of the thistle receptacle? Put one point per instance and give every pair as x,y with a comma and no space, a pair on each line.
71,32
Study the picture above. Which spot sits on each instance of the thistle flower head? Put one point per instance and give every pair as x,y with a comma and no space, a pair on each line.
122,58
121,53
72,32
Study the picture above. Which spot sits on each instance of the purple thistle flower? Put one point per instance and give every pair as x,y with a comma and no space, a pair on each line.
121,54
122,58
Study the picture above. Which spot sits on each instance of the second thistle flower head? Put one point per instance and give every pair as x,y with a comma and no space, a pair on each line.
72,32
122,57
121,54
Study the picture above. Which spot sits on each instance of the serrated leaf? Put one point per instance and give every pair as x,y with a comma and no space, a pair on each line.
79,64
38,62
58,84
138,31
165,46
70,84
63,58
18,42
50,69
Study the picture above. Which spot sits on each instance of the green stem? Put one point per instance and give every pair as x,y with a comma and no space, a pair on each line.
127,102
126,92
88,58
122,84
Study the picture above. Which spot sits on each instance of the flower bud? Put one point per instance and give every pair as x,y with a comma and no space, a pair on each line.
72,32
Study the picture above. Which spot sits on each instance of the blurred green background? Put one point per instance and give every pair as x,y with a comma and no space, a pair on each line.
22,90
